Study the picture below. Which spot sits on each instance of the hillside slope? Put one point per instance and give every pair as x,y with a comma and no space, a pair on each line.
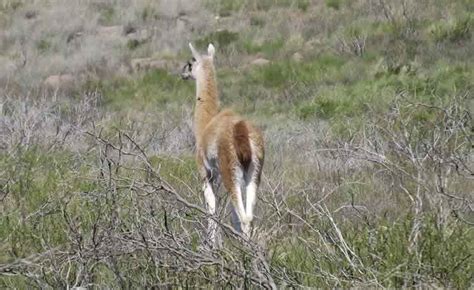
366,107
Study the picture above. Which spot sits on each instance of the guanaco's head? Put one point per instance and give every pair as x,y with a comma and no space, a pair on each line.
199,63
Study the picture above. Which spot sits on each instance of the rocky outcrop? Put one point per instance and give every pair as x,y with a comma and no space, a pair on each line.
145,64
61,81
259,62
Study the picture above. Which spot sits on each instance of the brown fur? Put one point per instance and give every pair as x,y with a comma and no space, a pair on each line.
224,141
229,131
242,144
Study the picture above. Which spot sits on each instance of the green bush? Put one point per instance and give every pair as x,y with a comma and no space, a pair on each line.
258,21
454,31
335,4
224,7
221,39
11,5
43,45
270,48
323,108
382,247
133,44
303,5
107,14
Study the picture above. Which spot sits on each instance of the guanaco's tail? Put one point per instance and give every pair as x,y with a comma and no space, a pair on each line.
242,144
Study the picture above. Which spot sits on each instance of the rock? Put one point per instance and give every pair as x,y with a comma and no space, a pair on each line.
115,31
8,66
181,24
159,64
260,62
312,45
73,35
59,81
124,69
297,57
144,64
140,64
139,35
31,14
129,28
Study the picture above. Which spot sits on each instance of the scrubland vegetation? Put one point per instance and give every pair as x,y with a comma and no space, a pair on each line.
366,107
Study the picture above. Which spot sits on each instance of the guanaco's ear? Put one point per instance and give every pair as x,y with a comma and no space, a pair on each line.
211,50
196,55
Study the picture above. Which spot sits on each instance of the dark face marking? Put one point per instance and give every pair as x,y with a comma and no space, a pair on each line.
187,71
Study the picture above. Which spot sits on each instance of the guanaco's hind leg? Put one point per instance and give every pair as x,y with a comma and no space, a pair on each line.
250,198
233,181
238,202
211,208
252,180
210,198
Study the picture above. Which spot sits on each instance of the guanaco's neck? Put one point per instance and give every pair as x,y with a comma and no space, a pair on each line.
207,99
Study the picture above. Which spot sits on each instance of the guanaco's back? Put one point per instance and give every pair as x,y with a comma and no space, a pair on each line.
228,147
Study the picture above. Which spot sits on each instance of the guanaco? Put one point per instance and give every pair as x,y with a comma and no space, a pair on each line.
228,147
